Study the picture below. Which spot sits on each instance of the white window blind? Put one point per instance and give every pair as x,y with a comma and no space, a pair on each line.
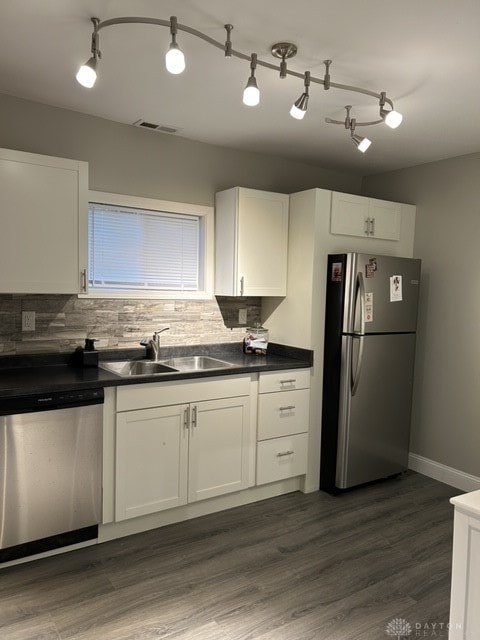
140,250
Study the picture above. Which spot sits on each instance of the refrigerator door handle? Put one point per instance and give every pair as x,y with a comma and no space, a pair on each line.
355,377
360,294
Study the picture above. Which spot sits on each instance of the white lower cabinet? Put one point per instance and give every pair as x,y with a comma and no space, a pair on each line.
218,448
465,592
283,422
151,461
169,455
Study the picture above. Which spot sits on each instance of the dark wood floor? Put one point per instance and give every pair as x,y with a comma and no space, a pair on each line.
294,567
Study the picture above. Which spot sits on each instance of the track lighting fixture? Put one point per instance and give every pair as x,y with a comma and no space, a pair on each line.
362,144
87,74
175,63
392,118
228,41
251,93
283,50
174,58
299,107
350,123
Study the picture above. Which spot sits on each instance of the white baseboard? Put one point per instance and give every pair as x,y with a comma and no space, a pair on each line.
442,473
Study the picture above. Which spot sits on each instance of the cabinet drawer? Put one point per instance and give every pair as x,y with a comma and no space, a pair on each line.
281,458
284,380
283,413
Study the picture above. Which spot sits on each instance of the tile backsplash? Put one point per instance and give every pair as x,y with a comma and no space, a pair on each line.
62,322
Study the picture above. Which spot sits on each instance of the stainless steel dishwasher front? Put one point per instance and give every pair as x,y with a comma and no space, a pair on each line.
50,471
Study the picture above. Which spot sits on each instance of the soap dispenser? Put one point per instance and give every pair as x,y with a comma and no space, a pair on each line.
88,357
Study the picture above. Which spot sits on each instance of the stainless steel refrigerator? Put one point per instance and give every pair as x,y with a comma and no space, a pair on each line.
370,330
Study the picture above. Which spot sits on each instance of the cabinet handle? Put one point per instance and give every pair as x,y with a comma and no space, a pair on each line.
289,408
186,417
83,277
290,381
194,416
284,453
372,226
242,285
367,226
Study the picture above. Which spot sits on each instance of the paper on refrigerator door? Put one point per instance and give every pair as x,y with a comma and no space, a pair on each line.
396,289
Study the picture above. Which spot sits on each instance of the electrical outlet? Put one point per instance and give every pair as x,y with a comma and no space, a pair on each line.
242,316
28,320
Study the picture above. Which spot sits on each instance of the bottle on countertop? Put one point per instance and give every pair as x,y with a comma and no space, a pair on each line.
87,356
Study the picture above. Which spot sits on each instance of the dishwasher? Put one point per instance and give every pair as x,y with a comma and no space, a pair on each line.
50,471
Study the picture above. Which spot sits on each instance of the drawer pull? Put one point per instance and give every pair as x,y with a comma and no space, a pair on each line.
289,408
291,381
284,453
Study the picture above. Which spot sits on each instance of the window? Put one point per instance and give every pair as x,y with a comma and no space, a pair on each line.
139,247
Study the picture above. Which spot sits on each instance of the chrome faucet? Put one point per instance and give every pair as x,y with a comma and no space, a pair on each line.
153,344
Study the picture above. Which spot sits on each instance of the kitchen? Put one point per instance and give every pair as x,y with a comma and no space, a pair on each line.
124,159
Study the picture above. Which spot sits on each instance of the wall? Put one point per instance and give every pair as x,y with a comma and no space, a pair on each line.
63,322
125,159
446,407
132,161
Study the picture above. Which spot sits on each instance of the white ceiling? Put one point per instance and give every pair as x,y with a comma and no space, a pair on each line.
424,53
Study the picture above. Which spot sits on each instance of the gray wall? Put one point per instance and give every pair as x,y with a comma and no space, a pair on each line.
127,160
446,410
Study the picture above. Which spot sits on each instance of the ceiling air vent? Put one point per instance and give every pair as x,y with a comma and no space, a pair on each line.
163,128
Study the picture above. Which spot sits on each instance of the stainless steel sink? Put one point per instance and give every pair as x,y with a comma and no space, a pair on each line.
196,363
128,368
137,368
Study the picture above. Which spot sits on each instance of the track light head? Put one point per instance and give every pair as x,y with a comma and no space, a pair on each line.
174,58
362,144
392,118
251,93
299,107
87,74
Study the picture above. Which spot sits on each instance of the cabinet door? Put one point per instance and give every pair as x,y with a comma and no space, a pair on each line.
262,243
385,219
219,447
349,215
43,202
151,460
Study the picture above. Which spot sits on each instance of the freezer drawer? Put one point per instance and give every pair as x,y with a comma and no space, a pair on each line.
375,407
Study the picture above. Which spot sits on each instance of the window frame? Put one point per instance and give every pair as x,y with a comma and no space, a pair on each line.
162,206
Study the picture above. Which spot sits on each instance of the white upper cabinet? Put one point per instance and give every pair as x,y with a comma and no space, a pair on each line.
43,208
251,238
365,217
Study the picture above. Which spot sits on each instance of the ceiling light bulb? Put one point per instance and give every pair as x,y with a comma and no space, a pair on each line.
297,113
87,73
299,108
362,144
174,59
393,119
251,93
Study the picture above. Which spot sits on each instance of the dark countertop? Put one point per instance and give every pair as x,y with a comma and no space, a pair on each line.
26,375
